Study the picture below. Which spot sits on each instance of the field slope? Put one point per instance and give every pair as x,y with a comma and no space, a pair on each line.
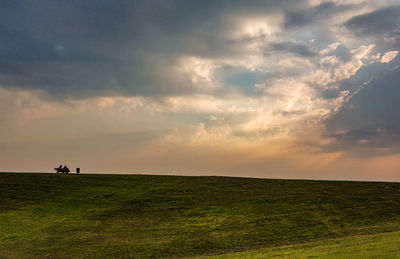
385,245
137,216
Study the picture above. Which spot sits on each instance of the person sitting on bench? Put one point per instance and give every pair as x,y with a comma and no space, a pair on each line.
58,169
65,170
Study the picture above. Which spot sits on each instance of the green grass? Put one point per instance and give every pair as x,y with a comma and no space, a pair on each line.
372,246
96,216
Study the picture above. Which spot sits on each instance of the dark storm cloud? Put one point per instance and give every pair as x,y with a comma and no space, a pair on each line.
342,52
377,103
380,22
291,47
367,133
312,15
330,93
88,48
370,117
369,141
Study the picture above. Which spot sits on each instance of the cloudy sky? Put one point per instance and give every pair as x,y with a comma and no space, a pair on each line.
263,88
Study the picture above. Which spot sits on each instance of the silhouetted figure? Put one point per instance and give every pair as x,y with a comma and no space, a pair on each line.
66,170
59,169
78,170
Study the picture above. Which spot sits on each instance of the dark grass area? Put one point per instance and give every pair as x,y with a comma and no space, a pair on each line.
141,216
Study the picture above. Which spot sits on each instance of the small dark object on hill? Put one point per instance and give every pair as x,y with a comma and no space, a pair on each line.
62,170
78,170
66,169
58,169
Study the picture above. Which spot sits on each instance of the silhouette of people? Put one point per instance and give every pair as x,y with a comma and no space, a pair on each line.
66,170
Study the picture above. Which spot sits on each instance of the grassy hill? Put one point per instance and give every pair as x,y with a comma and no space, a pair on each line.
138,216
385,245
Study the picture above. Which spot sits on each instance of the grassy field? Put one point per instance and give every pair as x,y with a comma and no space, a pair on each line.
96,216
386,245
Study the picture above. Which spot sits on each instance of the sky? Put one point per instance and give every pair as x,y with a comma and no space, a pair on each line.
304,89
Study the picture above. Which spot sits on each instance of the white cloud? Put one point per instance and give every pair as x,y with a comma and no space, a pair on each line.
350,68
331,47
389,56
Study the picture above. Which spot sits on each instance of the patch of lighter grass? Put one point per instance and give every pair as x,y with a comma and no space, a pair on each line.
384,245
